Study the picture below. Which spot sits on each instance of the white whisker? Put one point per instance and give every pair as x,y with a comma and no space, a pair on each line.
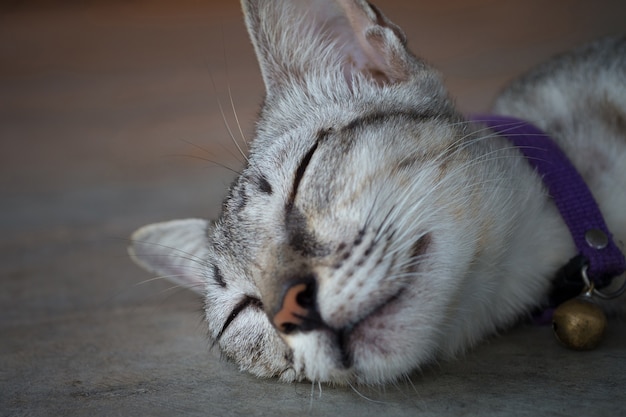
232,106
364,396
226,124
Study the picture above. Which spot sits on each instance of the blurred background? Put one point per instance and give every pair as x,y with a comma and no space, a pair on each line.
105,91
108,112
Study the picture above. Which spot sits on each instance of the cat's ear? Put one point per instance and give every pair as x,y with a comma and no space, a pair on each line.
175,250
296,38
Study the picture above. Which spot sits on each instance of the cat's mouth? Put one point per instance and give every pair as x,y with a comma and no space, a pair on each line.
345,354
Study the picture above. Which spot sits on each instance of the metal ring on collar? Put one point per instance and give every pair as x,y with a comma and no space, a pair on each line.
606,296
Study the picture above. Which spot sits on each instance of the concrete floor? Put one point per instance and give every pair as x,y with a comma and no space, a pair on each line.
97,101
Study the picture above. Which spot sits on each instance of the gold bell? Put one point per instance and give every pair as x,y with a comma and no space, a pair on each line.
579,323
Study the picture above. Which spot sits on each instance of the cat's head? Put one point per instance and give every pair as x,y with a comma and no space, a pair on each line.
335,256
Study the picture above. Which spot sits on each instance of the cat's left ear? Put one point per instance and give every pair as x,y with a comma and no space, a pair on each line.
295,39
175,250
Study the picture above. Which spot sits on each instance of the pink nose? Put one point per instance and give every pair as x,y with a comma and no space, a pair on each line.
291,314
298,309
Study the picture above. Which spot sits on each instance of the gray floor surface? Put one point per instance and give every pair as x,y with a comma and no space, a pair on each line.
107,110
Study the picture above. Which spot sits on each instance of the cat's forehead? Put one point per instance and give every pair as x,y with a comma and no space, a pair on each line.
375,131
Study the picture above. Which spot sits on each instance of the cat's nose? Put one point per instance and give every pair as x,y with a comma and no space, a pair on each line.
298,309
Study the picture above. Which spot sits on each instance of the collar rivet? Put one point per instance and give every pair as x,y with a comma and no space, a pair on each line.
596,238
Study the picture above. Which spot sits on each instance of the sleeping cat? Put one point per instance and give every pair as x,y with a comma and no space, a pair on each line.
374,228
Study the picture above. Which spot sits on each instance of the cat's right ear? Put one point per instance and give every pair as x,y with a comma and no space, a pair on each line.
300,40
175,250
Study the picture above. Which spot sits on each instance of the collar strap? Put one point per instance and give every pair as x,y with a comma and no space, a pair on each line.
598,255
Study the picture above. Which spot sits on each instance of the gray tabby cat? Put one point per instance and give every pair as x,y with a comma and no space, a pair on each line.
374,229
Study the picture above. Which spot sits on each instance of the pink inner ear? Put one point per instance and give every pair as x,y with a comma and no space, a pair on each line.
366,46
291,39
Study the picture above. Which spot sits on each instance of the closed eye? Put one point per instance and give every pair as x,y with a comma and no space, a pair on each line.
300,173
303,165
247,302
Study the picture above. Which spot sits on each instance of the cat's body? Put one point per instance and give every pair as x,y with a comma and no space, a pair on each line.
374,228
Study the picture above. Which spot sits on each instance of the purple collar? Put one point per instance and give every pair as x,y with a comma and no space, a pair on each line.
598,255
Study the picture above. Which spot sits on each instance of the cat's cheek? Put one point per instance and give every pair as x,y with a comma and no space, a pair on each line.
393,343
